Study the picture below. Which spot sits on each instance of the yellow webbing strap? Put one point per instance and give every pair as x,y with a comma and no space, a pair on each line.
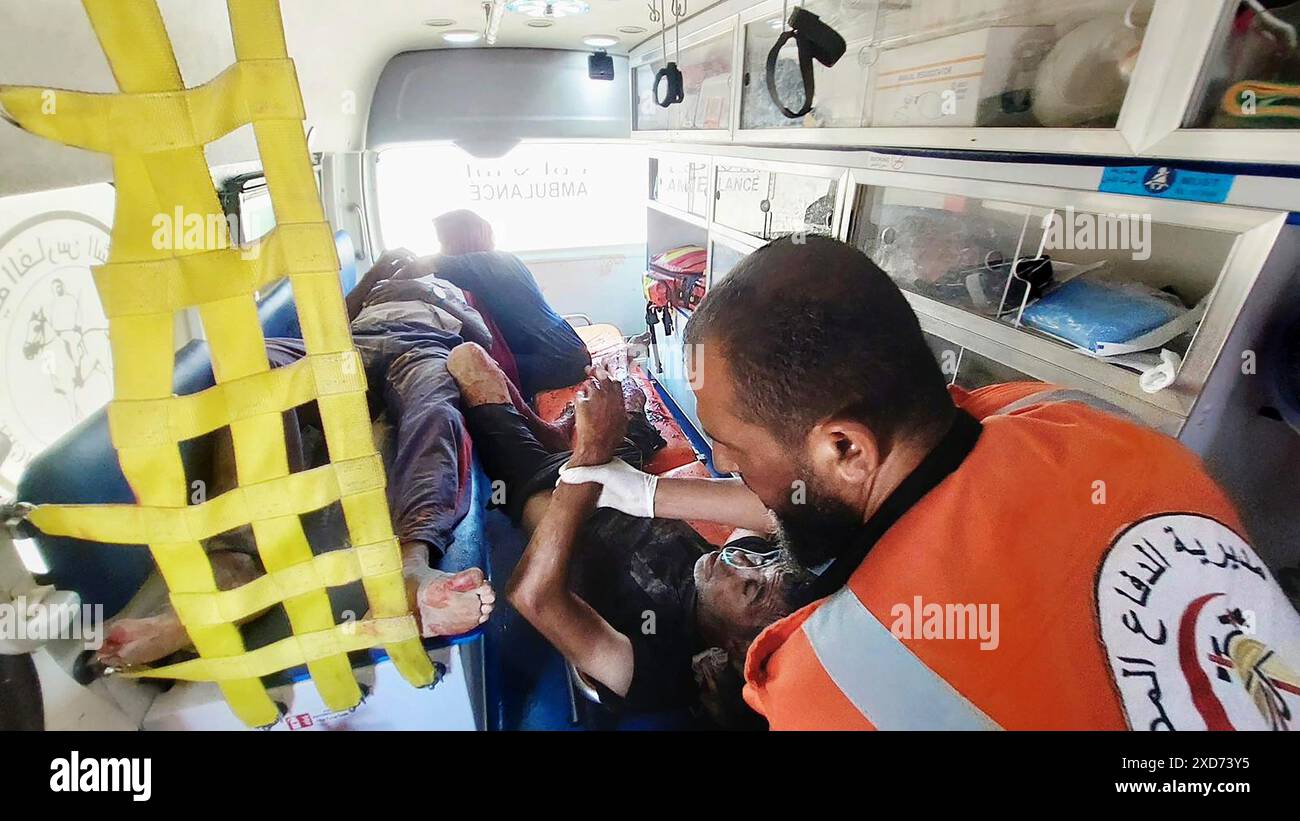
291,651
155,130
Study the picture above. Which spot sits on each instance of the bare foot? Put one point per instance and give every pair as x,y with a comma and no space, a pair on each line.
481,380
447,604
132,642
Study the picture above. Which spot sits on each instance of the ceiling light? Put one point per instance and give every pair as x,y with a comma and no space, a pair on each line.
440,22
600,40
462,36
539,24
632,29
548,8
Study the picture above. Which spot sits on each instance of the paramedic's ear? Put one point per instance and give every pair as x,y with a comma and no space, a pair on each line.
845,448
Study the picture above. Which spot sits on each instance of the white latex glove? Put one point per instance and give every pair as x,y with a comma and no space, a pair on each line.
622,487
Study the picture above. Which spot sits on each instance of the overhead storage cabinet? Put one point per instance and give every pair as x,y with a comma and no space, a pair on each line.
706,62
1206,79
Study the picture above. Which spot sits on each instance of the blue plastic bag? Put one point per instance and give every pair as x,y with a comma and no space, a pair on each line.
1088,312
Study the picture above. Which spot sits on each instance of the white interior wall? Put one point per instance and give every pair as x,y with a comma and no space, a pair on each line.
603,283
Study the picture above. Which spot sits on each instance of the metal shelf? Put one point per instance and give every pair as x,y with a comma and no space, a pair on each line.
1253,234
676,213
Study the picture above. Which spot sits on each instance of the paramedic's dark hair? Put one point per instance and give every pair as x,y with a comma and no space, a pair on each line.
815,329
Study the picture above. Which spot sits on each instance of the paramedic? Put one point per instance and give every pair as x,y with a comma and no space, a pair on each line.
647,609
546,350
1012,557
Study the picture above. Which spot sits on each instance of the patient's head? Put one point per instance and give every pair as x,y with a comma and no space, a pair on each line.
742,591
463,232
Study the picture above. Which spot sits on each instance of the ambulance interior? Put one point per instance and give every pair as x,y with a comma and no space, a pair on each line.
1111,147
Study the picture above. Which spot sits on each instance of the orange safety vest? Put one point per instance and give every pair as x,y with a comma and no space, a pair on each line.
1076,571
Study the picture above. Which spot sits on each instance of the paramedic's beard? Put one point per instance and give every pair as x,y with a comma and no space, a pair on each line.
820,529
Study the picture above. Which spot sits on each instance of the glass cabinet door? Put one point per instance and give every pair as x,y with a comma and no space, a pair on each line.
706,84
722,258
681,183
770,204
1252,76
933,244
800,203
953,63
1107,283
841,90
648,115
740,198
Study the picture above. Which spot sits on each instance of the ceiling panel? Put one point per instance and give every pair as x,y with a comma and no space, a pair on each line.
340,47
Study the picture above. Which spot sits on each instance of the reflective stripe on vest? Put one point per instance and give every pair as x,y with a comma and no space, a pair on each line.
890,686
1069,395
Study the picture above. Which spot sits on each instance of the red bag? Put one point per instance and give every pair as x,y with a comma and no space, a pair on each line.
676,278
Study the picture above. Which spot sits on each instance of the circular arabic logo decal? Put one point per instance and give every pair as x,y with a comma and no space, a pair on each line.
1198,633
55,364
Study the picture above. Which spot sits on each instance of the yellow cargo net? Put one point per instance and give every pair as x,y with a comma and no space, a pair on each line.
155,130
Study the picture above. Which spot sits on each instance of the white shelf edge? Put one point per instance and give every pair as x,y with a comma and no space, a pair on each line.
676,213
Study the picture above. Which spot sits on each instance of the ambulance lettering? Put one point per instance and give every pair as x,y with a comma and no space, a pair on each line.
1197,633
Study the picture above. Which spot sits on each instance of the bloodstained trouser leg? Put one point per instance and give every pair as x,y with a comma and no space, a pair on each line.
429,478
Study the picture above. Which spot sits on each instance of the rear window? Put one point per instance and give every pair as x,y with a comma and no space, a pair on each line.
538,197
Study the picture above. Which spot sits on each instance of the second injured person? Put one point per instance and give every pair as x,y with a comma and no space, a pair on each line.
403,331
645,608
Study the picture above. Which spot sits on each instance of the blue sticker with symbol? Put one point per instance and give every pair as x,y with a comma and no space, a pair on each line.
1167,182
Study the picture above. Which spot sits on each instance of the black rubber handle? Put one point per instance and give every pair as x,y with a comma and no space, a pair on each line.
676,90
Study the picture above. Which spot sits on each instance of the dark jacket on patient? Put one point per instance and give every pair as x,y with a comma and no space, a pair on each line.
547,351
638,574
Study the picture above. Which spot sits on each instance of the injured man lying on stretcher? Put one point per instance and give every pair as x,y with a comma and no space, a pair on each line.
645,608
403,332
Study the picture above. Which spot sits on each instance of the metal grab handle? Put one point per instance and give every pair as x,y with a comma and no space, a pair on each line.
362,251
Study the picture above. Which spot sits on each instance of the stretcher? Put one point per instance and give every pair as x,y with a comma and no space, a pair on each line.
83,468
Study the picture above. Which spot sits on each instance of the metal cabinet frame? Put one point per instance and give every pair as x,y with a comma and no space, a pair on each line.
1176,48
1256,231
